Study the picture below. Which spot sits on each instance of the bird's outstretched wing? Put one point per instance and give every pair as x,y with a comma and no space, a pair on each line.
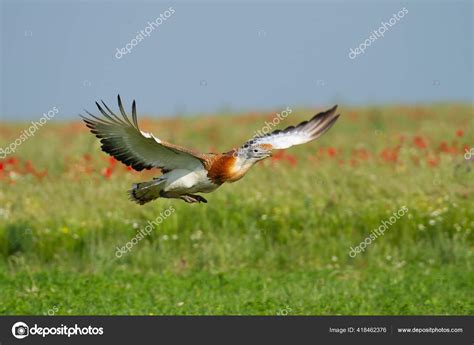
296,135
123,140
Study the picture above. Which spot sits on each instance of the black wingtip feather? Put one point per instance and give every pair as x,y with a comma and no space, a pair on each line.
122,110
134,113
324,113
112,113
108,141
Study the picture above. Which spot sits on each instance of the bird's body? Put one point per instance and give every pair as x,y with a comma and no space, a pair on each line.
217,170
181,181
186,172
174,184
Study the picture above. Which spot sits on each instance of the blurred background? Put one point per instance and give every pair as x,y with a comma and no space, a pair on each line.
214,56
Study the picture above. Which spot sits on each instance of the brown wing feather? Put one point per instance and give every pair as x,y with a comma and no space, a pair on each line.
123,140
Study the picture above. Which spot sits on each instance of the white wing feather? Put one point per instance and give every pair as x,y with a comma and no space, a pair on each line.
304,132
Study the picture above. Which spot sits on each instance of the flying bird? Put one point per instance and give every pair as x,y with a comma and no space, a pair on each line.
186,172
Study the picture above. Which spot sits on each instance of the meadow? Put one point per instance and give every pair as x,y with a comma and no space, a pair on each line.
276,242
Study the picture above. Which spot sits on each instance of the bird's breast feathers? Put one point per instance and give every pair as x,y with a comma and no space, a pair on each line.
226,168
219,169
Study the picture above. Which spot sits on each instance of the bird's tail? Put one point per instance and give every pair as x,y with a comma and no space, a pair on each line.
144,192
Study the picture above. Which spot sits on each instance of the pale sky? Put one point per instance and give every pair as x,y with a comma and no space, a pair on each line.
209,56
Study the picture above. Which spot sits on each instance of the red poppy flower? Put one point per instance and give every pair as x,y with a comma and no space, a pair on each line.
419,142
291,159
278,155
107,172
433,161
443,147
389,155
29,167
12,161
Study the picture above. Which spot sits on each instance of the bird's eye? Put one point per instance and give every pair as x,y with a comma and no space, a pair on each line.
255,150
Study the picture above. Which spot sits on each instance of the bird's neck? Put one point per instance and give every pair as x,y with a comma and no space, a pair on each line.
228,168
240,168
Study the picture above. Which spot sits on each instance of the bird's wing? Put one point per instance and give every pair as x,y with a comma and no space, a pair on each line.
123,140
296,135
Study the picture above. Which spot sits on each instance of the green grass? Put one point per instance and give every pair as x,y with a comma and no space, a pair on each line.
375,290
278,239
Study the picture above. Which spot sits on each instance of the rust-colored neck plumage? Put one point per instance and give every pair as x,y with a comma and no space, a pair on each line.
225,168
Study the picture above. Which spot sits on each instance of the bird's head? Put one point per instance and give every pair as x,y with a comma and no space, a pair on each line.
254,152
